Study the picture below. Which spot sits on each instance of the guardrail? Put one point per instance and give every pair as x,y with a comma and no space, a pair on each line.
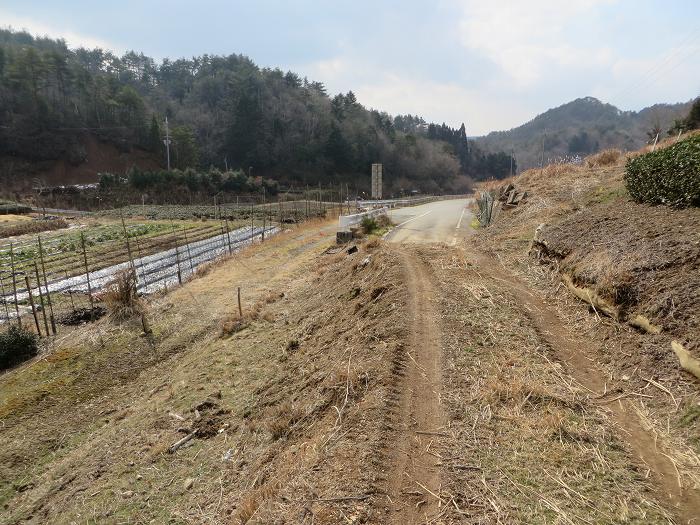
346,221
415,201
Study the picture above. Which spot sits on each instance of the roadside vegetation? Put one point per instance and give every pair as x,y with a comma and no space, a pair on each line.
17,344
625,274
668,176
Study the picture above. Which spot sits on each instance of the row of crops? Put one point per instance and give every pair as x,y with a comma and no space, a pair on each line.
283,211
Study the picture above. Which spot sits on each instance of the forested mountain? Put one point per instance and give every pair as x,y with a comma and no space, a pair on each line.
224,111
582,127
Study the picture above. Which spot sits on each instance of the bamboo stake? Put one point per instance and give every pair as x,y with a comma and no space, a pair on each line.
31,302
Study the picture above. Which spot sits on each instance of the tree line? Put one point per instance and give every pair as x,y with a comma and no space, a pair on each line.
224,112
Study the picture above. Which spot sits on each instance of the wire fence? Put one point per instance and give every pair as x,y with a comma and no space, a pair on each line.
47,283
50,281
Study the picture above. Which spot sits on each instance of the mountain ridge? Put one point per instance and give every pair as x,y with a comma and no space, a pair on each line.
581,127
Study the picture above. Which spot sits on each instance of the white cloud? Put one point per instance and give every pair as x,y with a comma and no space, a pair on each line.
398,93
526,38
37,28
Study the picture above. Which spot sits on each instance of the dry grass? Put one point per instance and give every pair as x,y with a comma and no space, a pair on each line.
251,502
608,157
121,297
28,226
280,418
11,218
234,322
527,444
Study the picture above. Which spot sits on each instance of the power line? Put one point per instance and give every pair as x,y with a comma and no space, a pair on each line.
649,76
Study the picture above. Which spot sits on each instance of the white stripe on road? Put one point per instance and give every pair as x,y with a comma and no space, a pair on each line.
393,230
459,223
414,218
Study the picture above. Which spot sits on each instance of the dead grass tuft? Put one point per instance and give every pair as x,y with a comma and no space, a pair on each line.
249,504
607,157
234,323
373,243
121,297
280,418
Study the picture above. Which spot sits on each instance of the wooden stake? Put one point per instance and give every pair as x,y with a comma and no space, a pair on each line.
128,246
4,299
46,287
263,230
31,302
228,238
14,284
87,275
70,293
189,253
240,310
177,256
41,298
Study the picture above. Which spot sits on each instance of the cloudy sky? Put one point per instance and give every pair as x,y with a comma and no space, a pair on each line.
492,64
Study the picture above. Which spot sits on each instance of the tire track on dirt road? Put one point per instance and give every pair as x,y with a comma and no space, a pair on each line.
414,469
574,352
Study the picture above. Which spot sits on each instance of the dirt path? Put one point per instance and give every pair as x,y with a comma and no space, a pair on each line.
576,354
414,476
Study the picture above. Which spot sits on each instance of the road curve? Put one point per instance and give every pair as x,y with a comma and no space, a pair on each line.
445,222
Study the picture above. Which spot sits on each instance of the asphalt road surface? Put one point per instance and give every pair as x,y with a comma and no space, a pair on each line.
436,222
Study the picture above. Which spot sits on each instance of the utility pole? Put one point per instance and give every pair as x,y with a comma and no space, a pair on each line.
511,162
167,141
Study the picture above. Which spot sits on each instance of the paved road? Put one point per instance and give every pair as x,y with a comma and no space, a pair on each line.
435,222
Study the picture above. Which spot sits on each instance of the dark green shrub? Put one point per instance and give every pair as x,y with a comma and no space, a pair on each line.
669,176
17,345
369,225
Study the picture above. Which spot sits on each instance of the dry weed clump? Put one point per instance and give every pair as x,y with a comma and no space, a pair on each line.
607,157
373,243
280,418
235,322
121,297
249,504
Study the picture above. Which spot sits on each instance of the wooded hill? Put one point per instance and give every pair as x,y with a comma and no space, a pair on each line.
224,111
581,127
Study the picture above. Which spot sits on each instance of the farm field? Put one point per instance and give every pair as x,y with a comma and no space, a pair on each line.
60,259
282,211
